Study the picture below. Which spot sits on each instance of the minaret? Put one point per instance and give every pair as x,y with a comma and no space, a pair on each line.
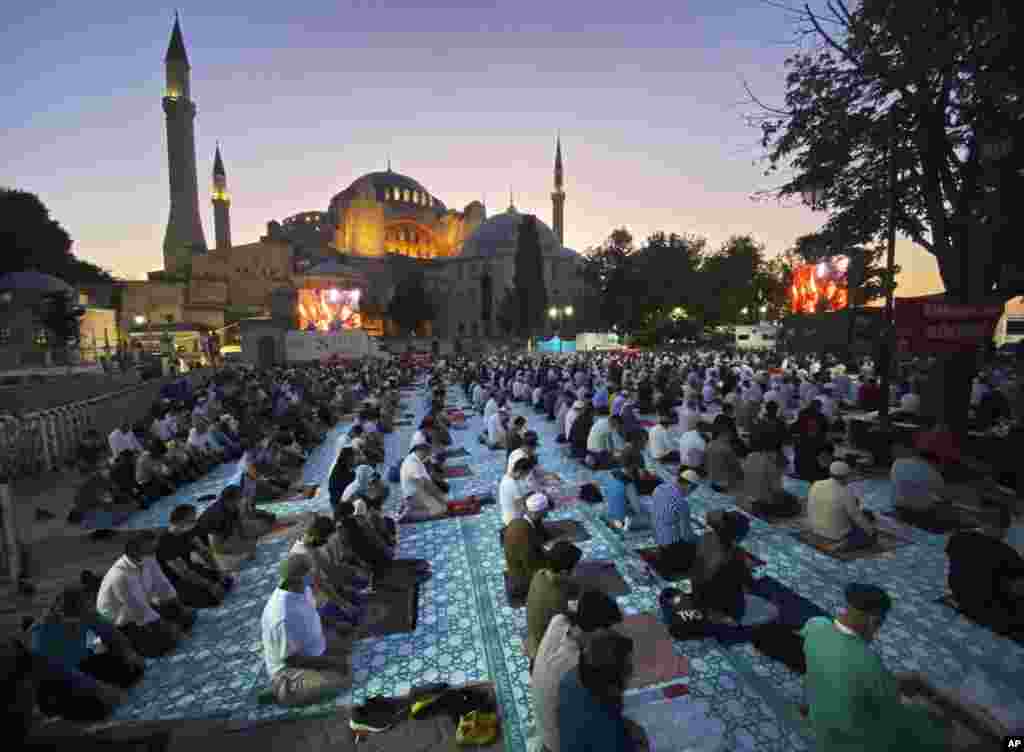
221,204
184,236
558,197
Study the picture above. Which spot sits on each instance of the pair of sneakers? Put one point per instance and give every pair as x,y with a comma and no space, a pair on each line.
379,714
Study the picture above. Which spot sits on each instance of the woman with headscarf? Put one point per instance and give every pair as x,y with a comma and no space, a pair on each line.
338,601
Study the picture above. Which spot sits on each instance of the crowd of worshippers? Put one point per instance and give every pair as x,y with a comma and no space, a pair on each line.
79,658
579,664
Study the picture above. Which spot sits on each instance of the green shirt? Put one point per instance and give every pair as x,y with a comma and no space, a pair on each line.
855,701
549,595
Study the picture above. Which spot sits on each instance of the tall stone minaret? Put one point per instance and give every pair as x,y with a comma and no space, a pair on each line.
184,236
221,204
558,197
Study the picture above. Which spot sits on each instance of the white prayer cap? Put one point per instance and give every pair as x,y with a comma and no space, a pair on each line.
838,469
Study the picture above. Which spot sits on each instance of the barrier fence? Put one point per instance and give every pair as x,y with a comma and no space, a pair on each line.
48,440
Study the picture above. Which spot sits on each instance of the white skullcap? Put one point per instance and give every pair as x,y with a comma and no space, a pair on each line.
537,502
838,469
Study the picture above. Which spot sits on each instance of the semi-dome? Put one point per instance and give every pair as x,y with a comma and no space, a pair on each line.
388,186
500,234
33,281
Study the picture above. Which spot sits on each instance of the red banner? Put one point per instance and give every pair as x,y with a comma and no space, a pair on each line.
933,324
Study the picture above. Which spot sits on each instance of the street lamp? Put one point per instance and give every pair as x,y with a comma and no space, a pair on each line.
764,311
557,314
140,321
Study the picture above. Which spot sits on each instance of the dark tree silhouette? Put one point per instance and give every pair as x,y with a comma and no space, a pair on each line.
411,304
529,277
31,239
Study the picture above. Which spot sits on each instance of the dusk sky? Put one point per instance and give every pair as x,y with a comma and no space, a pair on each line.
466,97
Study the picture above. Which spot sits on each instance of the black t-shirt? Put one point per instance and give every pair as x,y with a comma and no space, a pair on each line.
979,567
218,519
172,546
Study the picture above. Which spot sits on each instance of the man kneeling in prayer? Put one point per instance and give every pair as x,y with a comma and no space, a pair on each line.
305,665
854,700
834,513
424,500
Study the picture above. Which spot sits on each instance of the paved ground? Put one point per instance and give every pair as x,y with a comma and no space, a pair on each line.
466,632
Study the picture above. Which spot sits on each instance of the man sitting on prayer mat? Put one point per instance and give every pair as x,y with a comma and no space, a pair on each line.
199,585
423,498
721,575
673,527
559,653
590,698
834,513
305,665
524,541
986,577
662,443
854,700
137,598
762,479
513,490
550,592
918,488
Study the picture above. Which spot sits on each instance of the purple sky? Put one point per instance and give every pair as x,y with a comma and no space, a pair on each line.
464,96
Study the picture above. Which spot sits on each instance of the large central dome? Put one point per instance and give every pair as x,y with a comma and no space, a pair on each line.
388,186
500,234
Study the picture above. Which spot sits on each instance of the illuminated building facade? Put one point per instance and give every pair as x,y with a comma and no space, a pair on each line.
343,262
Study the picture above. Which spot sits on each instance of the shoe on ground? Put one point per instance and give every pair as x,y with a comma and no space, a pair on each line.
375,715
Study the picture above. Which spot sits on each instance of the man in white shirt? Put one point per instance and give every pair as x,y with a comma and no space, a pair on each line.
661,442
570,416
137,598
834,513
490,408
123,439
497,429
513,490
691,449
605,441
305,665
423,499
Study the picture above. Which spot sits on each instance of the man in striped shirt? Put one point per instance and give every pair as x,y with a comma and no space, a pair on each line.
673,528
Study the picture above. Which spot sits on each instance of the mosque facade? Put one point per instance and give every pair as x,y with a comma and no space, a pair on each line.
381,227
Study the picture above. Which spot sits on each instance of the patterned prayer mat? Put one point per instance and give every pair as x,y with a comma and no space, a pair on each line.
885,543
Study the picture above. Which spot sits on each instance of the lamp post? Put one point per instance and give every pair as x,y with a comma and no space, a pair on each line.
558,314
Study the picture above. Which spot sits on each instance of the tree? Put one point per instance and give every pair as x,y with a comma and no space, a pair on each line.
31,239
940,82
411,305
529,277
606,270
509,312
730,280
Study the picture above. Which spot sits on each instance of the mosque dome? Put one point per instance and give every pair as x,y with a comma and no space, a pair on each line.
500,235
391,187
